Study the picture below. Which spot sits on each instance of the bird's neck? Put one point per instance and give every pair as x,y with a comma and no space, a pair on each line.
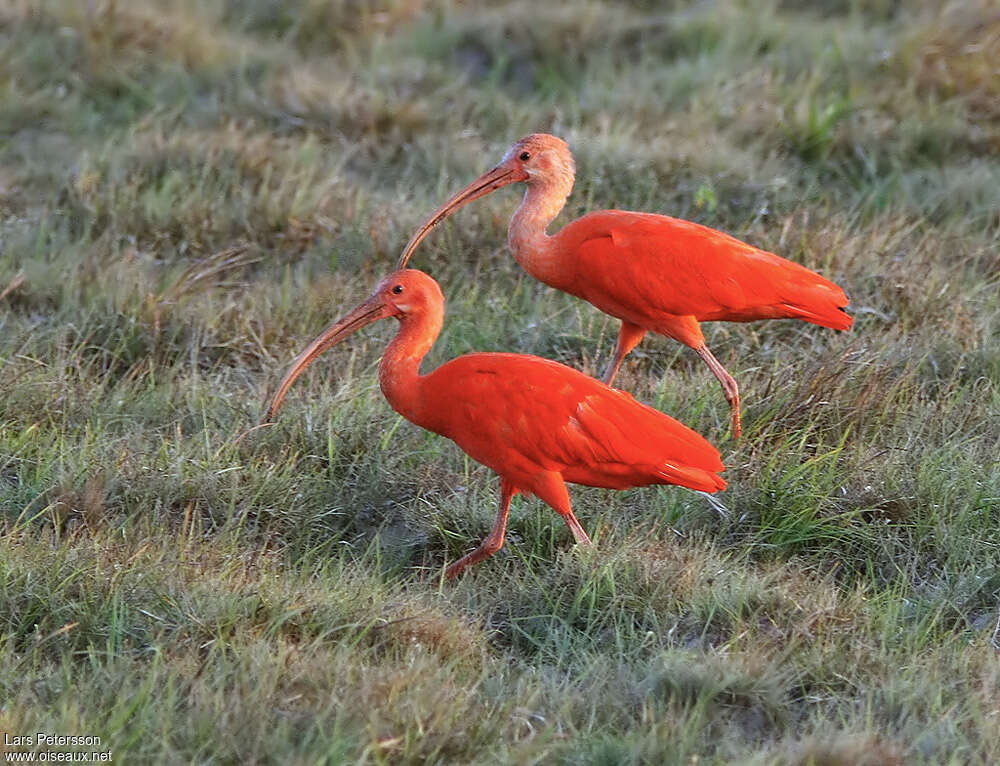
399,372
527,237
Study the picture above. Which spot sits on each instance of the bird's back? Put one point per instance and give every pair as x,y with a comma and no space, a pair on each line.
634,265
521,414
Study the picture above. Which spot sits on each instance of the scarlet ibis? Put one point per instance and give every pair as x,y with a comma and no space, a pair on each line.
653,272
535,422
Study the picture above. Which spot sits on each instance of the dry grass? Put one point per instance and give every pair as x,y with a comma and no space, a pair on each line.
958,56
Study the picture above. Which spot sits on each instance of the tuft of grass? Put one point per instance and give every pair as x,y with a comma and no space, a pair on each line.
956,56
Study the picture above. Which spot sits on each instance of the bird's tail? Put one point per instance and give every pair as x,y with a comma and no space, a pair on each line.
692,478
813,298
834,317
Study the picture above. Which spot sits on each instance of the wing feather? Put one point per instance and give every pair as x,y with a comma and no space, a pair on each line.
526,414
638,265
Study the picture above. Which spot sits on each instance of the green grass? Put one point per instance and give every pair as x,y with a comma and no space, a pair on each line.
189,192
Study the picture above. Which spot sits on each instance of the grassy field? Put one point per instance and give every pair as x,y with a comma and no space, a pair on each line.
190,191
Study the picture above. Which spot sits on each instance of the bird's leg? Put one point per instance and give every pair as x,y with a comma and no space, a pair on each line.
551,489
729,387
582,538
494,541
628,338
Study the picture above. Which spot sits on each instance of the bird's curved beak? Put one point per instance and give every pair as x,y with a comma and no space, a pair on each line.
488,182
370,311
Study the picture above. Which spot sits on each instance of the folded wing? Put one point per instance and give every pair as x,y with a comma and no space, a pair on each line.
638,265
521,415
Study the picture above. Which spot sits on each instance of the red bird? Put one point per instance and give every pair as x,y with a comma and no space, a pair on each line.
654,273
535,422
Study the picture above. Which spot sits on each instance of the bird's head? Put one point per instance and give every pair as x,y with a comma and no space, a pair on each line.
538,160
404,294
407,293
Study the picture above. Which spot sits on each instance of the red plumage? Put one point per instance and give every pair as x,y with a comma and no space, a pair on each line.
537,423
523,415
653,272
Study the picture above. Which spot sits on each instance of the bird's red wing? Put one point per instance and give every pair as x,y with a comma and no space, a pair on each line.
523,414
637,265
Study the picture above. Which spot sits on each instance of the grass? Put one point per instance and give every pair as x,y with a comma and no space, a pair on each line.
190,191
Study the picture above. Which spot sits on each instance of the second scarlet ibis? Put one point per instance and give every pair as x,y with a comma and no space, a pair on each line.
653,272
535,422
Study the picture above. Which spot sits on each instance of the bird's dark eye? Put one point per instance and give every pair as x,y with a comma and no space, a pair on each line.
397,289
525,156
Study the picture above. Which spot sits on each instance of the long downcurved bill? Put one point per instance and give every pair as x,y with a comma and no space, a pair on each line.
369,311
486,183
